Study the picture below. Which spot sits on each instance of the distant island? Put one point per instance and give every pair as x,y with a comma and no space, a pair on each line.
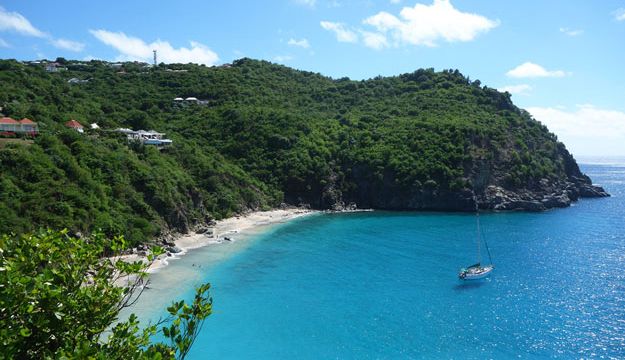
254,135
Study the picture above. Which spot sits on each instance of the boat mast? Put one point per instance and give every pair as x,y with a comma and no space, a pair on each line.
479,238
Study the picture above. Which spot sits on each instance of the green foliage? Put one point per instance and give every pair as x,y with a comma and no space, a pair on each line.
59,296
267,135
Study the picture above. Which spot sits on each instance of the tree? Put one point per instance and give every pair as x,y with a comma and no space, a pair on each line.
59,296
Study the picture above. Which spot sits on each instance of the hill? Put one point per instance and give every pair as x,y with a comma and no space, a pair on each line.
261,135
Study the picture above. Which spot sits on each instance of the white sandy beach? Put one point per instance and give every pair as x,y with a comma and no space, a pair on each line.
224,230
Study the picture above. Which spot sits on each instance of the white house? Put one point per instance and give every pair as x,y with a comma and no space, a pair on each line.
77,81
150,137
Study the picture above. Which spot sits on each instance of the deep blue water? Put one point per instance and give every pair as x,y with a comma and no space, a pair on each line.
383,285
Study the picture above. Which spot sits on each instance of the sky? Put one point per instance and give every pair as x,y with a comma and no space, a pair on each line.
562,60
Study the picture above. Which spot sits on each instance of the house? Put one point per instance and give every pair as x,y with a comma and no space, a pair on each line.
94,126
25,126
54,67
9,125
75,125
146,137
191,100
28,126
77,81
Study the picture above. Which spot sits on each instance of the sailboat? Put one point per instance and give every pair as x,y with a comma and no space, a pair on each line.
478,271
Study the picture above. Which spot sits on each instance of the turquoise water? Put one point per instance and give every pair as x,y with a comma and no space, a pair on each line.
384,285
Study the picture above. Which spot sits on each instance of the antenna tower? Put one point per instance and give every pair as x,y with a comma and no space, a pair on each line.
154,51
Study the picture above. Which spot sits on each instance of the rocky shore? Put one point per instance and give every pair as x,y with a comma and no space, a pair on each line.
546,196
488,187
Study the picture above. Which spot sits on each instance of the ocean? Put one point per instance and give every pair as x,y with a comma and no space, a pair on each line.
384,285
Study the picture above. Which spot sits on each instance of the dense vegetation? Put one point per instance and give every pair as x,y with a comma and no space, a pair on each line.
267,135
59,302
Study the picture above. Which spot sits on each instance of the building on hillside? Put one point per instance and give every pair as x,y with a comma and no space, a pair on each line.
10,126
54,67
94,126
75,125
28,126
191,100
77,81
150,137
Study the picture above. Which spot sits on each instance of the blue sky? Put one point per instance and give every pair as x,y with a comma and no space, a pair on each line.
561,60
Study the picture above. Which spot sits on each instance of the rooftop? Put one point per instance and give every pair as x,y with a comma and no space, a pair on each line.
8,120
73,124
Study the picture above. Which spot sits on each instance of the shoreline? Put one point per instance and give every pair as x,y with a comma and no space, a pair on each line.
225,230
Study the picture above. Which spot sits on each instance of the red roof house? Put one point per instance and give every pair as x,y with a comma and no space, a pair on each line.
8,124
28,126
74,125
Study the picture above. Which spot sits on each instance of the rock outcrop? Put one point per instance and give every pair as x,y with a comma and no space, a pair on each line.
552,196
489,192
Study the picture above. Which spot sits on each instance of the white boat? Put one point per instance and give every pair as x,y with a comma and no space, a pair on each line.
477,271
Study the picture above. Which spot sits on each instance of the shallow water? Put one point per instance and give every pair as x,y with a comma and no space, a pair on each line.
384,285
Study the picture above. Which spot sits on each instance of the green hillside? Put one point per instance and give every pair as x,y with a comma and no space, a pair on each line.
265,135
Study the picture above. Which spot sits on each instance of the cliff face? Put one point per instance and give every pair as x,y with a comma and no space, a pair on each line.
546,194
490,191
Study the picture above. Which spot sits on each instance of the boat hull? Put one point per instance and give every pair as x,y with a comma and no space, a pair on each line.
475,273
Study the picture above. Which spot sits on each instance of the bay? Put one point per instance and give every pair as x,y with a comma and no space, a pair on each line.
383,285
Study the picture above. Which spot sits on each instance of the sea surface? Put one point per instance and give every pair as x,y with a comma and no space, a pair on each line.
384,285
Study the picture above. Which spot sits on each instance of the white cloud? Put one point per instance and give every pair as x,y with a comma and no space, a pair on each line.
343,34
619,14
4,44
282,58
303,43
309,3
571,32
132,48
16,22
68,45
428,24
13,21
531,70
587,130
521,89
374,40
